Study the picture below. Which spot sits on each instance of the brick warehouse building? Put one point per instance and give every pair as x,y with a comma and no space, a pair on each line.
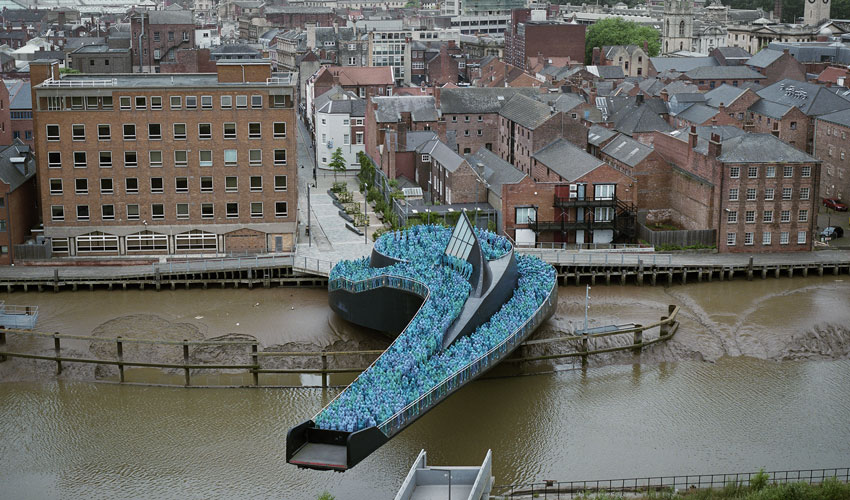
524,40
154,164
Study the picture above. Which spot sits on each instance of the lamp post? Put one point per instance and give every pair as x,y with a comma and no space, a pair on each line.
309,233
365,213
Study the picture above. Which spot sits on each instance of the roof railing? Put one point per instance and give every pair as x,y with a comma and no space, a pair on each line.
51,82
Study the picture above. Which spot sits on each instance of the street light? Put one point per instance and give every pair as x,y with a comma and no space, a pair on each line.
309,233
365,213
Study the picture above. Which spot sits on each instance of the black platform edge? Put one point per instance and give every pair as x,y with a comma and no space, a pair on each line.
358,445
296,438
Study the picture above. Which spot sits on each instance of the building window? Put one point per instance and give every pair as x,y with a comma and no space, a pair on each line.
788,171
207,211
104,132
53,132
55,186
766,237
767,216
281,209
154,131
57,213
191,102
157,211
156,102
179,131
257,101
97,242
182,210
146,241
256,183
206,184
804,193
803,216
131,185
230,157
77,101
226,102
131,159
206,102
106,102
255,157
104,159
748,238
82,212
230,131
732,217
731,238
751,194
280,183
785,216
80,159
132,214
176,102
770,172
107,212
205,158
783,238
155,158
181,158
129,132
752,172
78,132
279,130
204,131
750,216
526,215
278,101
786,193
806,171
231,210
768,194
254,131
280,157
141,102
426,158
181,184
106,185
157,186
124,103
231,184
241,102
197,239
735,172
256,209
801,237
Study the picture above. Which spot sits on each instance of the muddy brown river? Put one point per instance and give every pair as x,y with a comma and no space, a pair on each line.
758,375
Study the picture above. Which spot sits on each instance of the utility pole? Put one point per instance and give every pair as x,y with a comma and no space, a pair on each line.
586,307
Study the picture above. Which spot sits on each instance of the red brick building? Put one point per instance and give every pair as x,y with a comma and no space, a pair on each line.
20,110
162,32
156,164
18,198
524,40
299,17
832,144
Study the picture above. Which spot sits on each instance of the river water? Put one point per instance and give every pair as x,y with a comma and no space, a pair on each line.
673,413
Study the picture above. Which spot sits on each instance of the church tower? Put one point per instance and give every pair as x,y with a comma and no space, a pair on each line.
815,11
678,30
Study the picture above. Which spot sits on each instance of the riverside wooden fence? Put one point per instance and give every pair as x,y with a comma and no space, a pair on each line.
682,238
45,346
558,490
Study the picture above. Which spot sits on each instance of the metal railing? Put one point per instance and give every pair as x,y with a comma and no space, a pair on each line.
453,382
223,263
597,258
50,82
312,265
553,490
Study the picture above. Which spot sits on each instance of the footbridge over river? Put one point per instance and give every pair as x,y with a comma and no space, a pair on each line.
459,301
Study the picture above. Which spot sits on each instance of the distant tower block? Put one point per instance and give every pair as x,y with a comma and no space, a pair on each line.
678,30
815,11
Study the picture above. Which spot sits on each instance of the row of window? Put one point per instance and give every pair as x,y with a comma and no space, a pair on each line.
766,238
142,241
769,194
175,102
770,171
231,210
155,158
179,131
830,130
157,185
766,216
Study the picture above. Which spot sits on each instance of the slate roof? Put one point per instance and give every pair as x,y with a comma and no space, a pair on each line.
704,135
495,171
335,92
770,109
417,138
389,108
170,17
566,159
526,111
562,102
681,63
761,148
764,58
10,173
607,72
20,96
627,150
598,134
698,113
479,99
679,87
724,72
354,75
810,98
442,153
352,107
734,53
725,94
642,118
839,117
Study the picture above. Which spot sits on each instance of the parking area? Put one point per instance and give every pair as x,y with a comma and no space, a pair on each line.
828,217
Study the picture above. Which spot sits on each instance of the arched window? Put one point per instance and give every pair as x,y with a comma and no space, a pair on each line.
681,28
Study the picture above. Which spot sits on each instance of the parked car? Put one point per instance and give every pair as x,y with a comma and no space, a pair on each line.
834,204
832,232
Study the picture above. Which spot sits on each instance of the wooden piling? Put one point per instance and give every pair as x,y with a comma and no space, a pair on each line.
776,271
120,345
638,340
57,348
820,270
255,360
750,269
186,361
2,342
324,370
55,280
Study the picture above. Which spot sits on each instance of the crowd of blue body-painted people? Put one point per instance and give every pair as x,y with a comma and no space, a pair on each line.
415,362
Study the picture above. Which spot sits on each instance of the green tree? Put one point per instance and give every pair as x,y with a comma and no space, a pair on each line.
337,162
617,31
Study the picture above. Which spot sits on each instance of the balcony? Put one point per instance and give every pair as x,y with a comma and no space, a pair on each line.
540,226
563,202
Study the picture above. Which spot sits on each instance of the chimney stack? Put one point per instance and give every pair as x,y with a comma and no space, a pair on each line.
692,137
714,146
